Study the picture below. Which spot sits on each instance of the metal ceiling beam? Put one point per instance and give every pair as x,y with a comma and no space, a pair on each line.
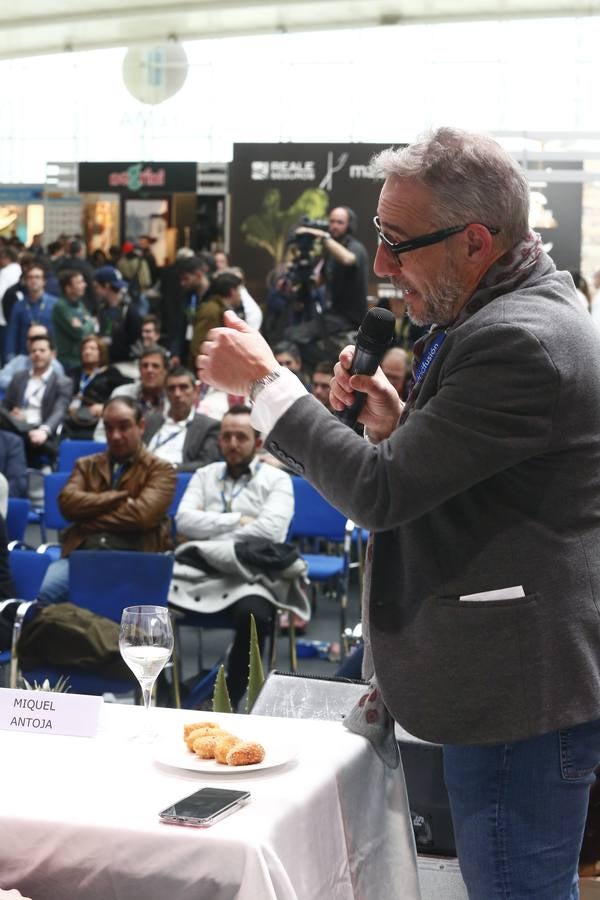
157,24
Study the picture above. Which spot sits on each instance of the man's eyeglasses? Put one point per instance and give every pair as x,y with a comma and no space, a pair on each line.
425,240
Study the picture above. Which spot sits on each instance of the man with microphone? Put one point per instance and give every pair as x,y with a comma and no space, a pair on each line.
483,495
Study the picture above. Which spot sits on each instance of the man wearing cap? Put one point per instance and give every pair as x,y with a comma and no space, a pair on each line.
120,322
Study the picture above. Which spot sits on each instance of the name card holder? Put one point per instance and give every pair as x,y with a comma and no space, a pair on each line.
47,712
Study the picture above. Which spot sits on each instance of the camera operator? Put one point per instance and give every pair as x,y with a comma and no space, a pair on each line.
343,268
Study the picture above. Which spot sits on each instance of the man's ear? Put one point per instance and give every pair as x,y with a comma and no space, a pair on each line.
479,242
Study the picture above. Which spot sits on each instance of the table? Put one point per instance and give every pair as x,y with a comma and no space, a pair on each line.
78,818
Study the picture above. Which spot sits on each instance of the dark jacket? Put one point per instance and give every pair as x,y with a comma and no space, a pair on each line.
135,509
490,484
13,464
201,444
57,396
67,333
123,326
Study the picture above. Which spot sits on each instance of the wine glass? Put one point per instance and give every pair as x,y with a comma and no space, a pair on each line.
146,643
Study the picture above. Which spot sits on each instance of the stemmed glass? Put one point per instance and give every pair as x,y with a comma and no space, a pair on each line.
146,643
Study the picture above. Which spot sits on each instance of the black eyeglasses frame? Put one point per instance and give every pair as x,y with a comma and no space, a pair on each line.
424,240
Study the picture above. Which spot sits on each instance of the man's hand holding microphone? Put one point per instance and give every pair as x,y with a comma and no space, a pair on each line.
235,356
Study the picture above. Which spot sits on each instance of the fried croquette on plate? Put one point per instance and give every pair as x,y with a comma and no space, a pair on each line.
204,747
187,729
200,732
223,745
246,753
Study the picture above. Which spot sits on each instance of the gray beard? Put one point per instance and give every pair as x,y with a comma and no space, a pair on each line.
441,303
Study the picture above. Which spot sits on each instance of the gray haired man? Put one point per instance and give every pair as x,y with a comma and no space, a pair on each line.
483,493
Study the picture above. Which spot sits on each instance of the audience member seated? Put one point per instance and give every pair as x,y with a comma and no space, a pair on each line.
116,500
395,367
35,404
71,319
149,392
182,437
288,354
119,321
93,383
34,309
238,500
23,361
13,464
322,375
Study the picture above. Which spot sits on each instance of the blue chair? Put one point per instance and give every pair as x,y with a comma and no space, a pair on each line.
105,582
53,518
316,520
70,451
27,570
17,518
183,479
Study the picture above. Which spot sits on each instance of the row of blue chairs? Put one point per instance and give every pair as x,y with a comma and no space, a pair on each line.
314,521
105,582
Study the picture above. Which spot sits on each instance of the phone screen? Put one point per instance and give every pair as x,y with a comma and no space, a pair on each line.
205,804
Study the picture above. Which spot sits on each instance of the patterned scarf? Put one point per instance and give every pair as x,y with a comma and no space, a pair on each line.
517,265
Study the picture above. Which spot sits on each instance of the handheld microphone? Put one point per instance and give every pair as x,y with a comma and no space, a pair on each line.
374,337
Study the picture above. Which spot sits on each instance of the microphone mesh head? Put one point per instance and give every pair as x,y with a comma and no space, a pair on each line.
378,325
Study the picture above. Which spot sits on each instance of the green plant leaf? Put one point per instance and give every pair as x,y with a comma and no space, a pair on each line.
256,675
221,700
270,227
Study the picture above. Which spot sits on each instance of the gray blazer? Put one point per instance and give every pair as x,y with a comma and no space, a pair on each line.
201,443
55,401
491,483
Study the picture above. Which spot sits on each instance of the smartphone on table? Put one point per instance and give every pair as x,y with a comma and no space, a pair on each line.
205,807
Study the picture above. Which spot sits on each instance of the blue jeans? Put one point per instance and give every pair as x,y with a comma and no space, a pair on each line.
55,586
519,812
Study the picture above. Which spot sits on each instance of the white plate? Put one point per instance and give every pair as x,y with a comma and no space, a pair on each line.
171,753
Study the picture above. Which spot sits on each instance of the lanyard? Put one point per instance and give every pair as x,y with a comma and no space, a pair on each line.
192,307
33,309
429,356
155,443
85,380
228,501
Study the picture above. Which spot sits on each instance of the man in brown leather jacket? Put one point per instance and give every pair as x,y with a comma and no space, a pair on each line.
116,500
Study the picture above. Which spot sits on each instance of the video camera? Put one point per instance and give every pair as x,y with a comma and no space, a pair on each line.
300,272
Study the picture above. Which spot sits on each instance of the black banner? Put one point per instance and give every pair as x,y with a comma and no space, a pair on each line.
274,185
137,179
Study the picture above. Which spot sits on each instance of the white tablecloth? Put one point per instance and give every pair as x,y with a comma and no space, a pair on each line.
78,818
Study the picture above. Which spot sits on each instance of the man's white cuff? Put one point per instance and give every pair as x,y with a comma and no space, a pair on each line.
275,400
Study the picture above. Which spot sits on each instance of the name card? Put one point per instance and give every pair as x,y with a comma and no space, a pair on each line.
46,712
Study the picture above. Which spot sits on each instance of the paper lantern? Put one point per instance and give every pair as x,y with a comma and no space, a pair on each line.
153,73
